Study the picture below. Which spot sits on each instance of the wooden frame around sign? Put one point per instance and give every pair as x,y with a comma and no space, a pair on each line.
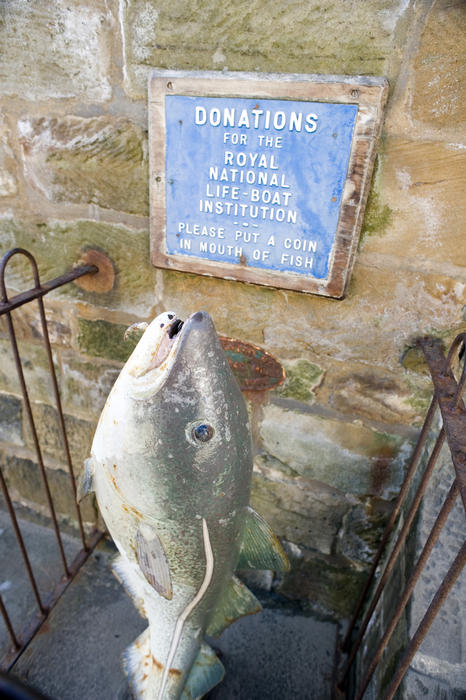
369,93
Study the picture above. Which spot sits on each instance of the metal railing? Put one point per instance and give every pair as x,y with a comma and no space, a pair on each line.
448,398
45,602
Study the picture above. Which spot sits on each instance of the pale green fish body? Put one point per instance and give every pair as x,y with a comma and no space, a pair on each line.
171,466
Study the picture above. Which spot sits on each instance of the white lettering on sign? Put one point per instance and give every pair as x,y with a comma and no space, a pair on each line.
209,206
296,260
255,119
260,160
251,177
200,230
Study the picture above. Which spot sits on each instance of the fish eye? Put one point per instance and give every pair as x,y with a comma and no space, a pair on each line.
203,432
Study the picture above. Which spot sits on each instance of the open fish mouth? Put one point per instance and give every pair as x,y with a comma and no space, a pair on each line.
164,345
175,328
156,346
163,340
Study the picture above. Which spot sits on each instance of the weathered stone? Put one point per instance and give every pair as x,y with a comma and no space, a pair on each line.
99,161
362,530
302,377
439,73
105,339
55,50
10,419
225,301
79,433
258,37
85,385
346,456
28,326
386,307
35,369
329,582
57,246
300,510
370,393
8,181
25,484
422,184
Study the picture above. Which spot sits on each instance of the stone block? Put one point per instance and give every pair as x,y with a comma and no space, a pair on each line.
421,184
97,160
104,339
372,393
259,37
330,583
300,510
35,370
362,529
346,456
25,484
439,73
79,433
85,385
55,50
28,326
8,178
59,245
11,419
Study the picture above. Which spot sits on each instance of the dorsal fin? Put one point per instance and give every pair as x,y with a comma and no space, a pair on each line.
260,549
235,601
204,675
153,561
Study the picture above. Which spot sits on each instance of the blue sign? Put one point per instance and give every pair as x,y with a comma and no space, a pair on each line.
256,181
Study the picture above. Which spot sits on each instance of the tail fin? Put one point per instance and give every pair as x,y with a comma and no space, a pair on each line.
145,672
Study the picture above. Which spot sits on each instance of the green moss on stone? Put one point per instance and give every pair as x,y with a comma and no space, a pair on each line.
302,377
377,217
105,339
420,400
413,359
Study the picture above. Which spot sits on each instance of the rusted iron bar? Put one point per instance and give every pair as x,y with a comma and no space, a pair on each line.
393,517
35,439
424,626
8,624
10,658
396,550
61,419
19,539
19,642
448,394
6,307
401,605
39,290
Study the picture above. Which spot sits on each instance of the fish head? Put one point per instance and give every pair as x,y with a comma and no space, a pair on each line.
182,430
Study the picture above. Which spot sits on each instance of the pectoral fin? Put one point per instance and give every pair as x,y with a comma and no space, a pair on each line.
153,561
85,483
260,549
236,601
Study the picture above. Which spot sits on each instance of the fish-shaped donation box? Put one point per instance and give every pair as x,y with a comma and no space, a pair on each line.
171,466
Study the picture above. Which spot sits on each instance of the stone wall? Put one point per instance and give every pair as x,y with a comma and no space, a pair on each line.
332,443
